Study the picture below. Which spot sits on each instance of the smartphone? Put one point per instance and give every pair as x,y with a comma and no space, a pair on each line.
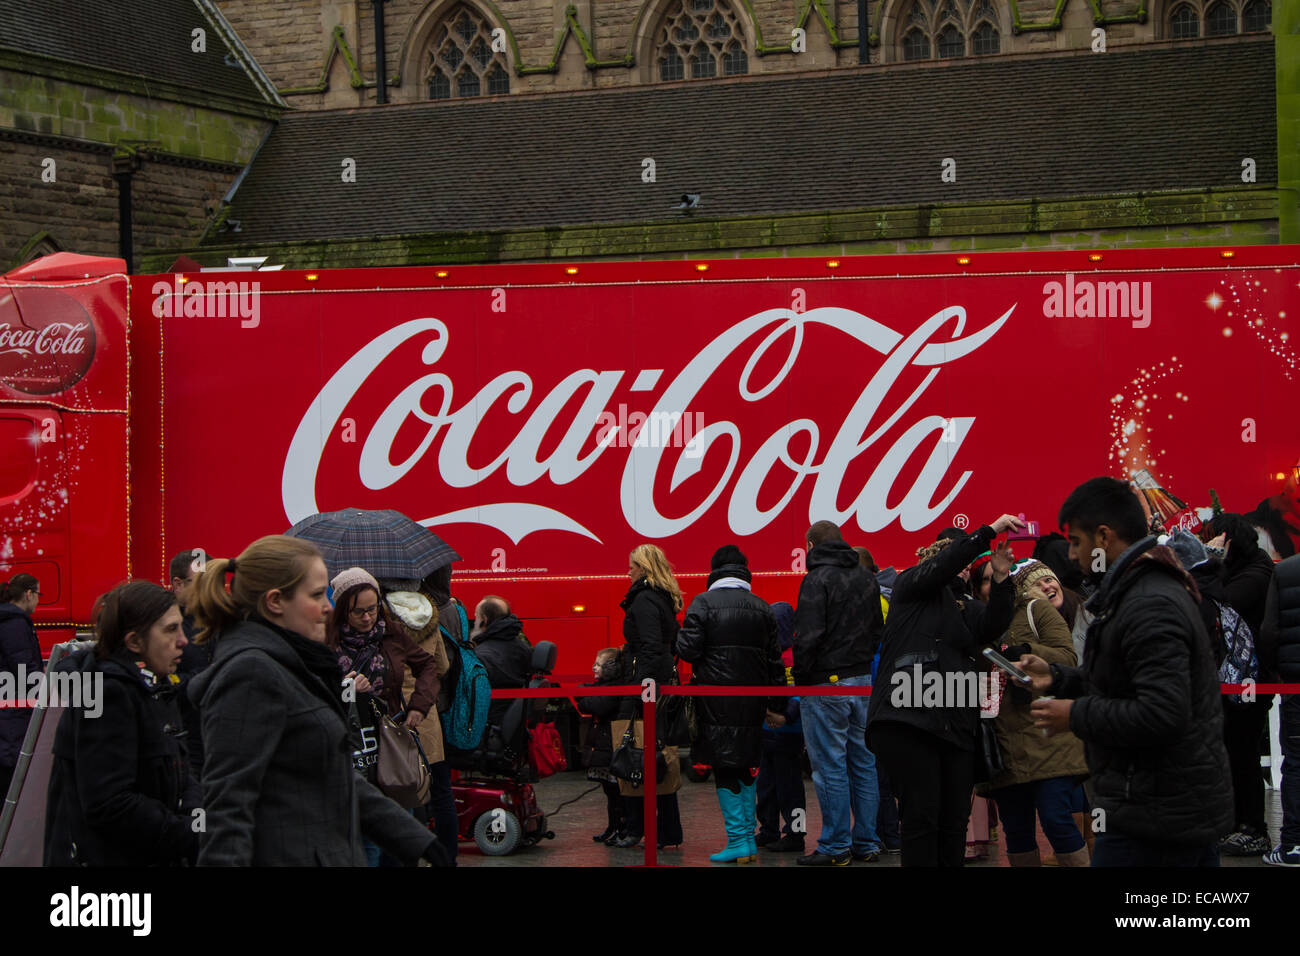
1007,666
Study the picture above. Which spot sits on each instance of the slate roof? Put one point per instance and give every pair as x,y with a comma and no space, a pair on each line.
147,38
1137,119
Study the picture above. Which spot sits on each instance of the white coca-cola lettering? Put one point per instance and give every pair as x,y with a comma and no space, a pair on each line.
864,426
57,338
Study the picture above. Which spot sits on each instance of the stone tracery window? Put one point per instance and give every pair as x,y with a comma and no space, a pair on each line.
948,29
1216,18
700,39
460,62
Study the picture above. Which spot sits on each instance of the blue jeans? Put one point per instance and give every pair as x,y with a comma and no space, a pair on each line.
1289,740
844,770
1115,849
1053,799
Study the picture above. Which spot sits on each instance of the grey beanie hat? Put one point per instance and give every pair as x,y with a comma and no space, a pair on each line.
1188,549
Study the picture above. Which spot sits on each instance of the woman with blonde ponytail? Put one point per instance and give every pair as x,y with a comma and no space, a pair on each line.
649,629
278,785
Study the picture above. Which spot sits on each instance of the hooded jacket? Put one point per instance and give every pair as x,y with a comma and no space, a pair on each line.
18,645
838,621
120,791
278,783
1146,704
930,632
729,636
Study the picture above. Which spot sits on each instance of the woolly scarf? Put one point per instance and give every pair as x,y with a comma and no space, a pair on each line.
353,645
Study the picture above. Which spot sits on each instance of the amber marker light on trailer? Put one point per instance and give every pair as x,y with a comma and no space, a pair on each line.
963,260
1095,257
441,273
832,263
312,277
1227,253
579,608
182,279
701,267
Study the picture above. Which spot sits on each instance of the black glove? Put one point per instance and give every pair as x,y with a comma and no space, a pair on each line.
1015,652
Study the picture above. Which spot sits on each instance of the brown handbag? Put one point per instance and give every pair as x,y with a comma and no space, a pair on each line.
403,773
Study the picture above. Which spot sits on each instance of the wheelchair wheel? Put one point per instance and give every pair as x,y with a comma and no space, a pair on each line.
497,833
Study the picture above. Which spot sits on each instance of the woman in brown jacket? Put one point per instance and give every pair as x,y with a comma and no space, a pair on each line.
415,607
375,652
1040,772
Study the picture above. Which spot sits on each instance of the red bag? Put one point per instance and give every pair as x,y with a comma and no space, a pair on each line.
546,751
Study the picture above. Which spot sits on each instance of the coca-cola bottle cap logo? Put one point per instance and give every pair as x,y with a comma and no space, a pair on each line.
47,340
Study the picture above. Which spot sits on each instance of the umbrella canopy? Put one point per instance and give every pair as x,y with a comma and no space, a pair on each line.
386,543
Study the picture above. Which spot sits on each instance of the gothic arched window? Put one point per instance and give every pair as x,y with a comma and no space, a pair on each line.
700,39
1222,18
947,29
461,62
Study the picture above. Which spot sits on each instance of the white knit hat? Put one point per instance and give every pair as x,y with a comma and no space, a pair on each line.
352,577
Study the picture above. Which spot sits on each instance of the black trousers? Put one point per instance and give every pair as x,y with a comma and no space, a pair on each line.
780,784
613,806
1243,725
442,807
668,821
933,781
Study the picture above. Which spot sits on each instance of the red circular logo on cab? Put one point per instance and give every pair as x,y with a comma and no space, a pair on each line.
47,340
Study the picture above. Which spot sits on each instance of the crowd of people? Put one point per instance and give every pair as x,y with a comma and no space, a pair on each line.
242,705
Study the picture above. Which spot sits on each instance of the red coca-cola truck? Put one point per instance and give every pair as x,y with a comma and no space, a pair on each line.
547,418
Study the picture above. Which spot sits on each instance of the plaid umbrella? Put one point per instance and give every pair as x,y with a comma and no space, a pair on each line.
386,543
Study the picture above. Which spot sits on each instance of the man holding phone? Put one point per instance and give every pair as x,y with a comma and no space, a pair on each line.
1146,700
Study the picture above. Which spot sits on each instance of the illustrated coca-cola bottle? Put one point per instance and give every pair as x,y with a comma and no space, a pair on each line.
1167,510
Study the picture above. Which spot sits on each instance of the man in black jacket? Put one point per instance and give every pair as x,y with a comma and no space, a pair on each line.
837,625
1146,701
1279,657
502,648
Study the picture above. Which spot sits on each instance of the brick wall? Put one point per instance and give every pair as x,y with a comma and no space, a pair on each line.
79,209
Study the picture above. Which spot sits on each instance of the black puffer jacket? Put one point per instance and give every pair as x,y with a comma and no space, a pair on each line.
649,628
506,656
18,645
120,791
1147,704
929,629
838,620
729,636
1279,634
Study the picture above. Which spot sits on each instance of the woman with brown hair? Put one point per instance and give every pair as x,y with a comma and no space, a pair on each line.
120,792
278,784
375,652
649,629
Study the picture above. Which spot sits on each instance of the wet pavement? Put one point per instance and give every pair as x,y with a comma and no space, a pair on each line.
575,824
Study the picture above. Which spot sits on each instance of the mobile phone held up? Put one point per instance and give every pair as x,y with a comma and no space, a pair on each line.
1015,672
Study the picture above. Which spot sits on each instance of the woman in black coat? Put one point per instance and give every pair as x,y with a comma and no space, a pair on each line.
19,648
729,636
120,790
1244,576
278,783
650,612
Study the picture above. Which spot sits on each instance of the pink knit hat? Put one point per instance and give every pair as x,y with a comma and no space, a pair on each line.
352,577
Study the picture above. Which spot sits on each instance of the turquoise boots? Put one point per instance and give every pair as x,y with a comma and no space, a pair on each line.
738,817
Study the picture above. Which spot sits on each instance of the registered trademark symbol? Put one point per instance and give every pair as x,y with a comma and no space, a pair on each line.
960,521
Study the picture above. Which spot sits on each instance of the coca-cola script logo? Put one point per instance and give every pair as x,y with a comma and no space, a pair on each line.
875,429
47,341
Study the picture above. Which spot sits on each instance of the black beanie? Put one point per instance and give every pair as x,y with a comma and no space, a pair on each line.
728,554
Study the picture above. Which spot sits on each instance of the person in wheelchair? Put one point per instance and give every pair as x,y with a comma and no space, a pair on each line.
510,661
